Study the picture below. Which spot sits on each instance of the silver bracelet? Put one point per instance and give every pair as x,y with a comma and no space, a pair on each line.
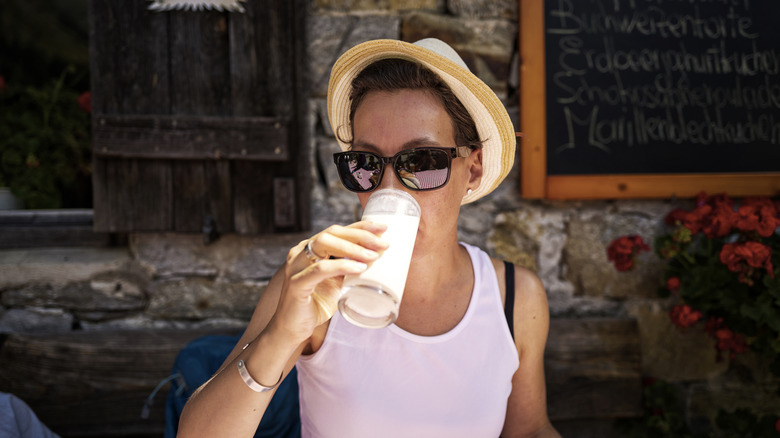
251,383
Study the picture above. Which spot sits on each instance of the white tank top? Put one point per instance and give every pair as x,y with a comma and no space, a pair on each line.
391,383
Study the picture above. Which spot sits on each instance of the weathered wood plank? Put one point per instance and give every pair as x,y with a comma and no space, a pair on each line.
134,195
129,66
285,203
190,137
245,64
301,159
59,236
94,383
200,67
129,57
39,228
592,368
219,200
253,211
202,189
189,184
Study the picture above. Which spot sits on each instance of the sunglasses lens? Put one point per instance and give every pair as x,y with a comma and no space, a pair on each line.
359,171
418,169
423,169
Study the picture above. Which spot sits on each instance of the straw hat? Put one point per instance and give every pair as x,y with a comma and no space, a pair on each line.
493,123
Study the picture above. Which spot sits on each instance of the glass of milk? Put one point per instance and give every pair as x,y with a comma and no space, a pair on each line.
372,298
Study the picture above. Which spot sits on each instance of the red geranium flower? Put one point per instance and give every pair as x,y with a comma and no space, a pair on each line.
728,341
745,258
714,216
85,101
683,316
675,216
673,284
692,220
725,339
623,250
758,214
714,200
720,221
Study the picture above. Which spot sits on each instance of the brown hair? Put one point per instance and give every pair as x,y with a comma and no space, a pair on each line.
399,74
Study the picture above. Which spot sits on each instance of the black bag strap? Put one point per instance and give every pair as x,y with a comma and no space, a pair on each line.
509,302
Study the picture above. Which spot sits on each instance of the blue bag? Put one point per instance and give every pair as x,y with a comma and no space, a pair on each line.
199,360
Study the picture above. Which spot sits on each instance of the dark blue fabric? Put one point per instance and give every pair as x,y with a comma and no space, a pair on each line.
199,360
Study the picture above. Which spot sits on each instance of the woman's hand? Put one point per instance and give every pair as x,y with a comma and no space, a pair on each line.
312,281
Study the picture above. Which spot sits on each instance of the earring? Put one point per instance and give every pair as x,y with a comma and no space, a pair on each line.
469,191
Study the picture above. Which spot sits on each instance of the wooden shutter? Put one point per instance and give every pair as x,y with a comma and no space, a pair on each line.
197,117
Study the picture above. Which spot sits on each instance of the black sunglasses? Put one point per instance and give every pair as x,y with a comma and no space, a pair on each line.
425,168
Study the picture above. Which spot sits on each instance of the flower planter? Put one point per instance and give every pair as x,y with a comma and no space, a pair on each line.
8,201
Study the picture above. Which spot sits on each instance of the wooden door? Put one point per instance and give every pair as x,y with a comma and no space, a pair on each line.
198,118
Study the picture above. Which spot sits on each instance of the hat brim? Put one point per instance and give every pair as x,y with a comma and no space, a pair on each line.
494,126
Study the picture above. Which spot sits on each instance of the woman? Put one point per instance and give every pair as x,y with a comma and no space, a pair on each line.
449,366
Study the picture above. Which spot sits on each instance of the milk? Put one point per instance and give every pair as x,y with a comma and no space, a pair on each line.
389,271
372,298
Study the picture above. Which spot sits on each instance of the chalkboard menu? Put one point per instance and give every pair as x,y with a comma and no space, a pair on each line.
658,86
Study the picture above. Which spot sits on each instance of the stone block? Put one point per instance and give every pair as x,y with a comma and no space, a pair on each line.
669,354
35,320
506,9
230,257
318,108
533,237
326,147
143,322
416,5
379,5
200,298
515,240
706,399
331,35
255,258
336,206
590,232
57,266
107,294
485,45
477,219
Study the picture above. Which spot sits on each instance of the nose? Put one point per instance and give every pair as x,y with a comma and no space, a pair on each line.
389,179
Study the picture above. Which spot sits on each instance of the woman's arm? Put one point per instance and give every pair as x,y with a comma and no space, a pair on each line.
290,317
527,408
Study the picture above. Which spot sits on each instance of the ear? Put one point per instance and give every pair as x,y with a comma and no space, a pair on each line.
474,161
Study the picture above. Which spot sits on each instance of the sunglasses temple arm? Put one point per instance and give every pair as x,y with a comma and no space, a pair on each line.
462,151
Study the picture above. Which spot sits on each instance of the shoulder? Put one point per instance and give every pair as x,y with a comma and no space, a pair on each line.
531,310
528,287
532,313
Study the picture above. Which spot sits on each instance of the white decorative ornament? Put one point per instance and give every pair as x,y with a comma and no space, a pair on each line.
197,5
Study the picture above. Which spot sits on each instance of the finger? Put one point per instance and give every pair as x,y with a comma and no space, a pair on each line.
308,278
340,247
359,241
365,233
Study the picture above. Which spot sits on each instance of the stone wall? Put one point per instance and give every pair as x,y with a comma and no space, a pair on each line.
174,280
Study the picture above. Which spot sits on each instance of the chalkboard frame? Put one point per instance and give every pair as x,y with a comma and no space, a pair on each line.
535,183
